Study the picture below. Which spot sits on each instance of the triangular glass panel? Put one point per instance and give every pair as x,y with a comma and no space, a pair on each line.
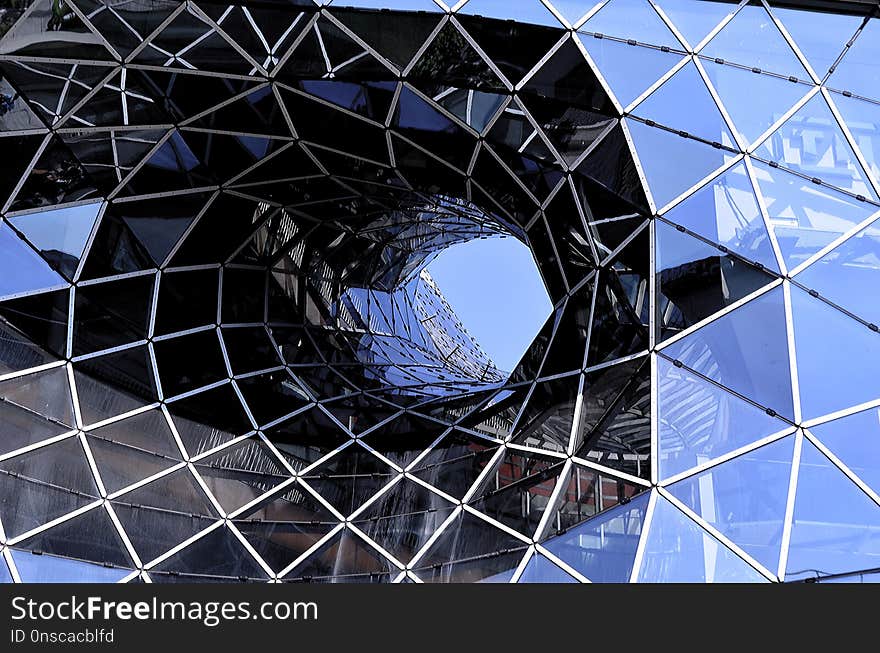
60,235
843,274
837,357
404,518
517,493
455,464
405,437
629,70
603,548
745,499
45,394
540,570
546,421
411,31
617,178
53,569
679,551
285,526
42,485
349,478
725,211
863,120
22,269
40,190
307,436
752,39
835,525
770,98
39,321
631,19
696,279
745,350
820,36
806,217
239,474
272,395
470,550
570,338
586,493
698,421
811,143
855,440
209,419
114,384
345,558
533,13
88,537
218,556
22,427
162,514
857,72
656,147
694,21
21,151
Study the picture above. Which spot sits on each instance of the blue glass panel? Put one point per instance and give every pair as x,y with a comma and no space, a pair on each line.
524,11
837,357
858,72
631,19
657,147
50,569
397,5
753,113
844,274
694,20
836,526
745,499
21,268
603,549
628,69
726,212
698,421
810,142
863,121
684,103
746,351
573,10
855,440
5,576
679,551
752,39
806,217
60,234
820,36
540,570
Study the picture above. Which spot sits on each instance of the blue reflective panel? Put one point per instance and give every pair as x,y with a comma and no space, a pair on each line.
836,526
863,121
846,272
574,10
745,499
726,212
837,357
5,575
631,19
753,113
603,548
503,577
679,551
540,570
855,440
629,69
694,20
806,217
698,421
59,234
820,36
21,268
745,350
684,103
858,72
256,145
51,569
175,155
397,5
656,148
810,142
752,39
523,11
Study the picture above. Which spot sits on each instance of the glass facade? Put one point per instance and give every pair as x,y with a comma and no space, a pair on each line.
222,358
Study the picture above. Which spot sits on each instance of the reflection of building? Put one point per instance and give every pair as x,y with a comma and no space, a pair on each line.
213,299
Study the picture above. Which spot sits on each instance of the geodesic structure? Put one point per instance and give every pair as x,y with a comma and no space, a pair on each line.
222,358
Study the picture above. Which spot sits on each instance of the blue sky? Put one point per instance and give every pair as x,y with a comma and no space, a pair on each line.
497,292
